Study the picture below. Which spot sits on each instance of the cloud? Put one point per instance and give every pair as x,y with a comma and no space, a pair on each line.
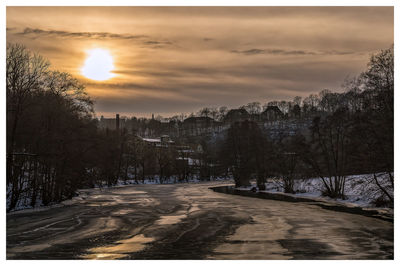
249,52
69,34
229,56
157,44
256,51
144,106
36,32
335,52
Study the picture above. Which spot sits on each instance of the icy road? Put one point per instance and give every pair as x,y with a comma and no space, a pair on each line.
189,221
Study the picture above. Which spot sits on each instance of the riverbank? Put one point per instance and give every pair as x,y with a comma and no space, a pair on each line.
380,213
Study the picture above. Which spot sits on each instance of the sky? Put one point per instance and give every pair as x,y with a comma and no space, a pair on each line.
172,60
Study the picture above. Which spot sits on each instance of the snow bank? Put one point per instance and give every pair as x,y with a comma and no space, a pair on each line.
24,201
359,189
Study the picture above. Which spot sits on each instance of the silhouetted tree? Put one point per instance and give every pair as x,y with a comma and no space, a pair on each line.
330,140
242,149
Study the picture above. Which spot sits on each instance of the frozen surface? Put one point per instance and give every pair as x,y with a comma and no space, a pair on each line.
24,201
191,221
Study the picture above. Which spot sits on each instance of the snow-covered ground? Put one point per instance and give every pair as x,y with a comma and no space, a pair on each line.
24,202
360,190
156,181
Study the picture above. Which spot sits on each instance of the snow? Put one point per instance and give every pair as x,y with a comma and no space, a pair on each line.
23,203
360,190
151,140
190,161
186,151
156,181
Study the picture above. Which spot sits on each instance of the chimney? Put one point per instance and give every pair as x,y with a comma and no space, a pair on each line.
117,121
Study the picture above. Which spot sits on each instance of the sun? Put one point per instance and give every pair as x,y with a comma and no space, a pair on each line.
98,65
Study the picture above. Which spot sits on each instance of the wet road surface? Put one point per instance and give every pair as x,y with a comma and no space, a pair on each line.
190,221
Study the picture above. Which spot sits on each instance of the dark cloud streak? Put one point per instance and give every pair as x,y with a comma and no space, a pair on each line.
256,51
69,34
35,32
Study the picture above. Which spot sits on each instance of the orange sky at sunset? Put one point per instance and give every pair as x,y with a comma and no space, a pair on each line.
168,60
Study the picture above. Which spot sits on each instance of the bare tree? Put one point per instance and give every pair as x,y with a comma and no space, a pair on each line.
330,151
253,108
25,74
222,112
297,100
204,112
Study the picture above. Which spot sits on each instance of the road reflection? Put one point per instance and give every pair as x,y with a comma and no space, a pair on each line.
120,249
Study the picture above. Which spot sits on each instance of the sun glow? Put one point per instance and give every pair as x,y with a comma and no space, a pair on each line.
98,65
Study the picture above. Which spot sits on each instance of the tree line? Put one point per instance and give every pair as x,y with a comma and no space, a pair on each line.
350,133
54,144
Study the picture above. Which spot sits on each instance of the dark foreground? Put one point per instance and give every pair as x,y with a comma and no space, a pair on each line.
189,221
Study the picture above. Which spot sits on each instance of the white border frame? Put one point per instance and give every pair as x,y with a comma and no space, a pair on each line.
192,3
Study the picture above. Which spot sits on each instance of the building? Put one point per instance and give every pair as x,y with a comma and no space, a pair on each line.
195,126
112,123
272,113
236,115
163,141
